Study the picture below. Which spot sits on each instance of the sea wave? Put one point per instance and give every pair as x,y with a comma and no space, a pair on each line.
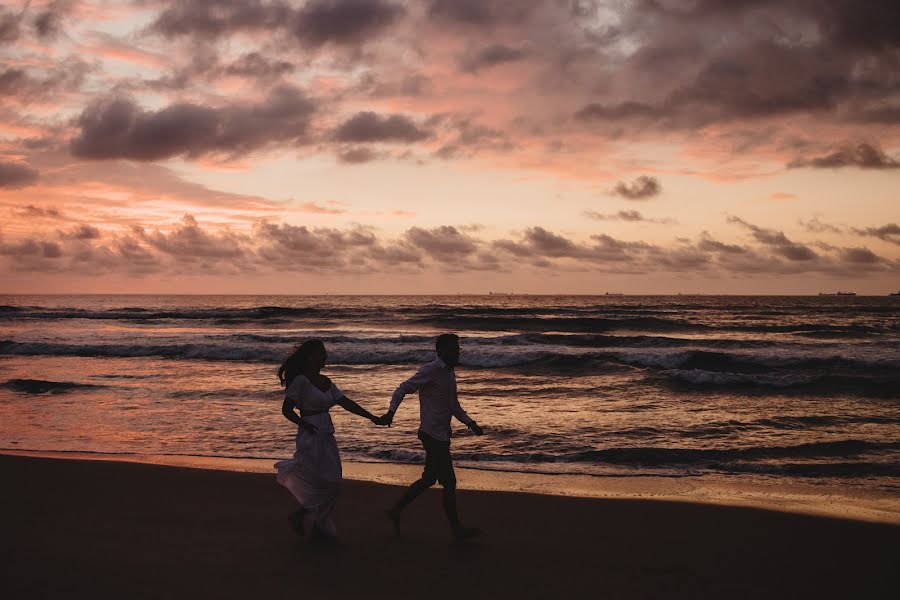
40,386
758,458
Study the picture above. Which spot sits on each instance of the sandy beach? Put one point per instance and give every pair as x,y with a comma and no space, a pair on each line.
102,529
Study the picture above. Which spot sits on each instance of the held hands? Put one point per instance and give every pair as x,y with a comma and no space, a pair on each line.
380,421
476,428
387,418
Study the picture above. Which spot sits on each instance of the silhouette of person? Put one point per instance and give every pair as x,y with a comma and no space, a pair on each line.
436,384
313,475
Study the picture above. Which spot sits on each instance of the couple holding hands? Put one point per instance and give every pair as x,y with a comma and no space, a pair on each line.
313,475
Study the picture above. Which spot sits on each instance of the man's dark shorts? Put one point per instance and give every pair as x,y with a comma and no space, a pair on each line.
438,463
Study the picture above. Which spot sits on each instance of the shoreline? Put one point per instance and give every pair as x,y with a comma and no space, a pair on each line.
829,501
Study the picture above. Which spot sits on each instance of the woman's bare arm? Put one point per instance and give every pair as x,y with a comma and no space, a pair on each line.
351,406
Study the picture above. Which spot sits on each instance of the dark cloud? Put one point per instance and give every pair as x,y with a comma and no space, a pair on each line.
642,188
254,64
190,248
859,256
9,26
445,243
777,242
31,248
314,23
631,216
299,248
189,241
834,59
492,55
367,127
16,175
215,18
708,244
815,225
542,248
38,212
888,233
81,232
117,128
344,21
30,85
862,155
481,13
357,155
48,22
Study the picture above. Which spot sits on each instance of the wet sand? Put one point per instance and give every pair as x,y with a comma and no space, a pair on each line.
76,528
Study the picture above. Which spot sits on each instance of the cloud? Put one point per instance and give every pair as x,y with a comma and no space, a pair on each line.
782,196
357,155
642,188
9,26
631,216
367,127
445,243
214,18
254,64
81,232
862,155
492,55
191,248
29,85
888,233
708,244
38,212
344,21
777,241
16,175
117,128
189,241
815,225
860,256
312,207
314,23
481,13
48,22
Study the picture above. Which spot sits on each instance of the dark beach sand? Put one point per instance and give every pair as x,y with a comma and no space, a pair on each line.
77,529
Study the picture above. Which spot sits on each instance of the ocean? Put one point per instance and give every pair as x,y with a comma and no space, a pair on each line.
786,389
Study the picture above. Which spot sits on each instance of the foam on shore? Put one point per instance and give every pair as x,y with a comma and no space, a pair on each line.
819,500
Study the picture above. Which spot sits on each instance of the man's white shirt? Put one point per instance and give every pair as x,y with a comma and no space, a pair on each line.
436,384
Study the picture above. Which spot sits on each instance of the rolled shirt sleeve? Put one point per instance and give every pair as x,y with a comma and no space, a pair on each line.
413,384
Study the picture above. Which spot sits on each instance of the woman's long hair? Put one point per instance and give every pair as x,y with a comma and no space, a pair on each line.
294,363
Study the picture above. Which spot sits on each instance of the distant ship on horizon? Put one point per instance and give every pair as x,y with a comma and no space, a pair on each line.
614,294
894,294
837,293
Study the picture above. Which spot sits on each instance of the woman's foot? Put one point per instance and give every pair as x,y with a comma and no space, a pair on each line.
296,521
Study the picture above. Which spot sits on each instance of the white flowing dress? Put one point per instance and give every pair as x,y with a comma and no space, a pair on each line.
313,475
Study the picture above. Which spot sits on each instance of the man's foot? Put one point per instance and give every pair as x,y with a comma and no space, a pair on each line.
465,533
296,521
393,514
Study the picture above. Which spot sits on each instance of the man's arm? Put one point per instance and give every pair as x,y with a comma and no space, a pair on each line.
413,384
457,411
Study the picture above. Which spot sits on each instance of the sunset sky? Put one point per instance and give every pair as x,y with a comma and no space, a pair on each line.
450,146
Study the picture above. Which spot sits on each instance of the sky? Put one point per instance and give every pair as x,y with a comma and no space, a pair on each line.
450,146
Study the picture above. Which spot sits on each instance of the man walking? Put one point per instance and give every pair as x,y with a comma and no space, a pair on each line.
436,384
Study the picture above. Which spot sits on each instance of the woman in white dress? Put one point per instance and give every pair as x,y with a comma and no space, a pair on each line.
314,474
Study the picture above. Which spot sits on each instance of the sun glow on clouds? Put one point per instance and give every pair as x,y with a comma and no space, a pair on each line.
532,142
